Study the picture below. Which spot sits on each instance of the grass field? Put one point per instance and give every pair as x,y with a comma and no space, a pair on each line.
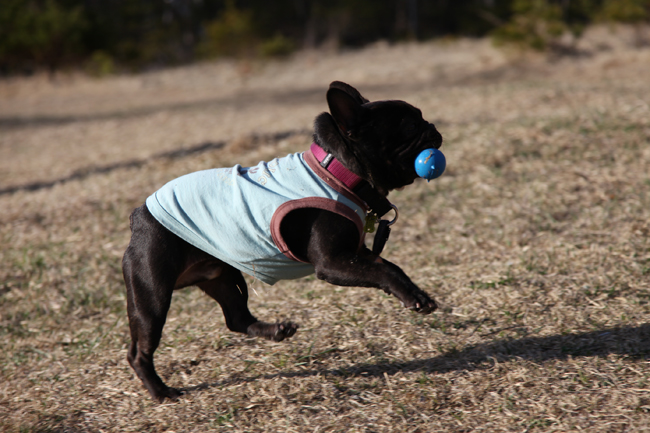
535,243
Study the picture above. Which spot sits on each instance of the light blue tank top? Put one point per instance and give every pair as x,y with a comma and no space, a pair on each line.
234,214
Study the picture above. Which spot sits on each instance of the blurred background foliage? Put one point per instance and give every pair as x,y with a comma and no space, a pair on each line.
108,35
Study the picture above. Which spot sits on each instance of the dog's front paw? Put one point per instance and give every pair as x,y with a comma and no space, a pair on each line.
421,303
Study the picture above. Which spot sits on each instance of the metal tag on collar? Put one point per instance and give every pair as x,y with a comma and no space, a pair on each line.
326,161
371,221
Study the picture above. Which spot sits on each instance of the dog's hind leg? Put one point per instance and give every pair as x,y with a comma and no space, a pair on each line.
150,272
231,292
148,300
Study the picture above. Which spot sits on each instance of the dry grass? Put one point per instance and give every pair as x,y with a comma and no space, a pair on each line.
535,243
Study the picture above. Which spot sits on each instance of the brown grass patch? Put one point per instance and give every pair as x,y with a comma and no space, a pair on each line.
535,243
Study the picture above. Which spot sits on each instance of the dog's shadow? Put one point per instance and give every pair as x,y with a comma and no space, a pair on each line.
629,341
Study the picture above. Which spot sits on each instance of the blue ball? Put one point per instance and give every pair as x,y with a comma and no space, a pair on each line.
430,164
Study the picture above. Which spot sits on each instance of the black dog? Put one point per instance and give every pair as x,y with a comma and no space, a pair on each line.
362,151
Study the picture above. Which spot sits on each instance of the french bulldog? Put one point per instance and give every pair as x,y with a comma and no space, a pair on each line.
291,217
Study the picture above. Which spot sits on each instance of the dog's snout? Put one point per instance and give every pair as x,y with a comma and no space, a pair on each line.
432,136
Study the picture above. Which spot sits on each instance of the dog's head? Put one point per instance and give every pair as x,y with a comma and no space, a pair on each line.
378,141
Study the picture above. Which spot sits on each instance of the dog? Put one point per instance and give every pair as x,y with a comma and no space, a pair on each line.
291,217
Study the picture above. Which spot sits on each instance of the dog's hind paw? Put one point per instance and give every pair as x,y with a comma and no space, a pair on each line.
168,393
285,330
273,331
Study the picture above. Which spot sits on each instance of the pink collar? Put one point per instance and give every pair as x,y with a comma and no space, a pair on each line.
335,167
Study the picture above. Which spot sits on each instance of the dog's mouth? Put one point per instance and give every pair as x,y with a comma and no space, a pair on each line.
427,139
430,138
398,168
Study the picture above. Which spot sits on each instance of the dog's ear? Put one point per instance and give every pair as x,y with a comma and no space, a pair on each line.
354,93
345,109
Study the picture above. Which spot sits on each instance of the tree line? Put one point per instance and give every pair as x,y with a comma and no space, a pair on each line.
108,35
